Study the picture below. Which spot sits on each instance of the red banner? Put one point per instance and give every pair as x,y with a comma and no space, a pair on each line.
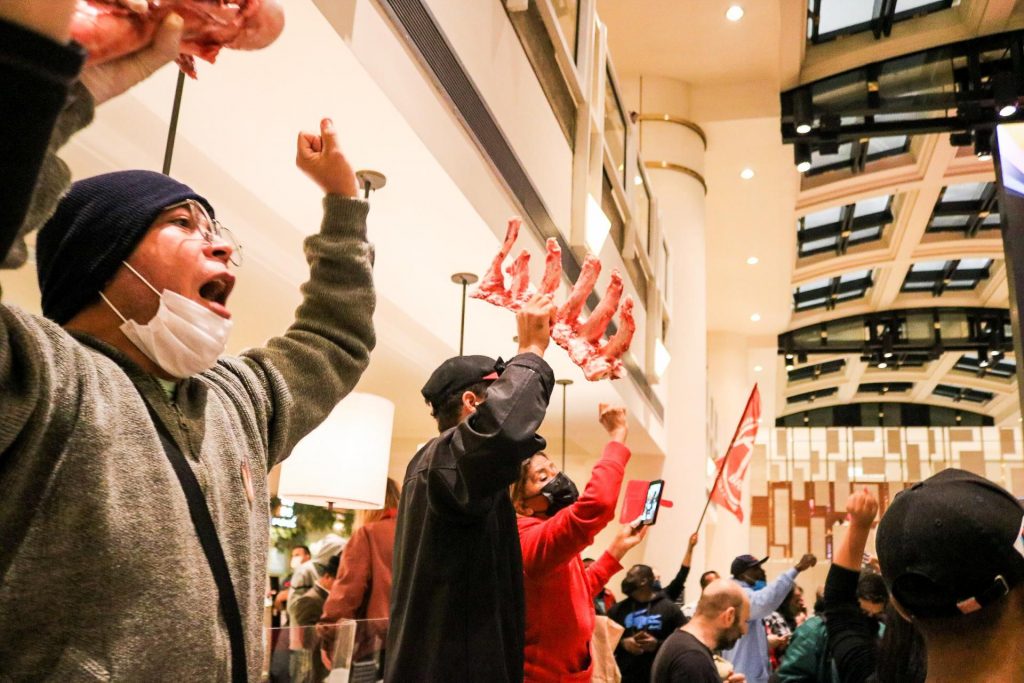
732,467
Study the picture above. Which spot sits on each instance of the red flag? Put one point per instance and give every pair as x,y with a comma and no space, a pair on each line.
732,467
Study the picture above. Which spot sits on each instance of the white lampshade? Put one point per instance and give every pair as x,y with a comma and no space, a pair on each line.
344,461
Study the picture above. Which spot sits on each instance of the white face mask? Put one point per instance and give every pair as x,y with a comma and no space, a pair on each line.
296,561
183,338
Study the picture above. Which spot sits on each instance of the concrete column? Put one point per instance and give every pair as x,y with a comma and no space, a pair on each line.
673,150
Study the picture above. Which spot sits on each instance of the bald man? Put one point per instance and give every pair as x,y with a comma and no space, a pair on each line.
687,656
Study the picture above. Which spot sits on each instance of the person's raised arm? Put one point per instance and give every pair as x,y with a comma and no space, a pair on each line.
852,635
610,561
768,599
490,445
675,587
862,508
570,531
302,374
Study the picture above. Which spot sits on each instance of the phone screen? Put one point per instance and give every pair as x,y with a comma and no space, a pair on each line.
653,502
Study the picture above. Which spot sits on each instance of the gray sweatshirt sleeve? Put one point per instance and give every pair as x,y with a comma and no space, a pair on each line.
302,374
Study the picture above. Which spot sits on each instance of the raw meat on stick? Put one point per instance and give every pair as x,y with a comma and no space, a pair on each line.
109,29
583,339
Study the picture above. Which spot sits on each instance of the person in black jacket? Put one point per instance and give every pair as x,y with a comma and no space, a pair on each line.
457,607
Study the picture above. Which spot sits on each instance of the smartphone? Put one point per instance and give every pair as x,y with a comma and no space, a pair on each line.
652,503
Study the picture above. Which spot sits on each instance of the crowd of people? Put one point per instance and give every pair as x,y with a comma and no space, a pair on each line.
122,418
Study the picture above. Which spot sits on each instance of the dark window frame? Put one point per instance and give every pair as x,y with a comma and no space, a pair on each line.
958,394
977,211
945,279
880,23
843,229
833,293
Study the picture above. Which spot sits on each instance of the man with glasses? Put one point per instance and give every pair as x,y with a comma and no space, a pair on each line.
121,396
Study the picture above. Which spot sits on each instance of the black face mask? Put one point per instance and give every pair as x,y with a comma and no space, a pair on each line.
560,493
630,586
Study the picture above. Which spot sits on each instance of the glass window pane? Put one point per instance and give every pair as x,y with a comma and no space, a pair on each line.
819,160
927,266
963,192
865,234
825,217
814,245
974,263
918,285
614,127
855,275
956,221
866,207
811,303
886,143
568,18
816,284
991,220
840,14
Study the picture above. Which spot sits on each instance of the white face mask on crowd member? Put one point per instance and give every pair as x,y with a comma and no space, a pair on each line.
296,561
183,338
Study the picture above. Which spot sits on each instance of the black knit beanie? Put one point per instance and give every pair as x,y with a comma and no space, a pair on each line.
96,226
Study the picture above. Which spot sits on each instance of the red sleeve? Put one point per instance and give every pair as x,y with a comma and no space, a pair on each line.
352,582
600,571
556,540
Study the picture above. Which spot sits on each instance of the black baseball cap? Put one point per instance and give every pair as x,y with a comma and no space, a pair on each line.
951,544
745,562
458,373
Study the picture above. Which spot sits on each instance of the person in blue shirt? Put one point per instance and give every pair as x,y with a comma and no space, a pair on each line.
750,654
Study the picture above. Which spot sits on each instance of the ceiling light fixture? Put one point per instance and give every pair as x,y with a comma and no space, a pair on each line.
983,145
752,260
756,317
1004,92
803,117
734,13
802,157
638,180
747,173
882,365
758,368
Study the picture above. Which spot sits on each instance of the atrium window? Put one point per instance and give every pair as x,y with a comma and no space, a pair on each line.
900,359
810,396
840,227
831,19
967,208
995,364
962,394
885,387
816,371
939,276
615,127
828,292
854,156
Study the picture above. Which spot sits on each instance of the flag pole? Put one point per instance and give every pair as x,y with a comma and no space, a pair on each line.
725,460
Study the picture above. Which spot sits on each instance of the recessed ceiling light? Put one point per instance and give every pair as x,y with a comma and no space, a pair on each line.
805,166
734,13
638,180
755,317
882,365
752,260
747,173
758,368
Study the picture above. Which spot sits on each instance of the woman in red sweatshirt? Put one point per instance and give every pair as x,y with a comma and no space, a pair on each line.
555,525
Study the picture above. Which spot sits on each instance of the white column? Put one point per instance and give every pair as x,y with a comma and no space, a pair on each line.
674,152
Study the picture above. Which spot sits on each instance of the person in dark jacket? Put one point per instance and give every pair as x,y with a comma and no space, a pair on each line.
457,606
649,617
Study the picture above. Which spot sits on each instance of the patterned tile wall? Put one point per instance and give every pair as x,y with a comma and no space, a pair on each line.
801,477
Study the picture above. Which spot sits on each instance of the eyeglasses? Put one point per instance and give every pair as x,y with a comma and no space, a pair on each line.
210,228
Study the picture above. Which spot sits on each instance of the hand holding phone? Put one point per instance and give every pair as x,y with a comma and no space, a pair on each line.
652,503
